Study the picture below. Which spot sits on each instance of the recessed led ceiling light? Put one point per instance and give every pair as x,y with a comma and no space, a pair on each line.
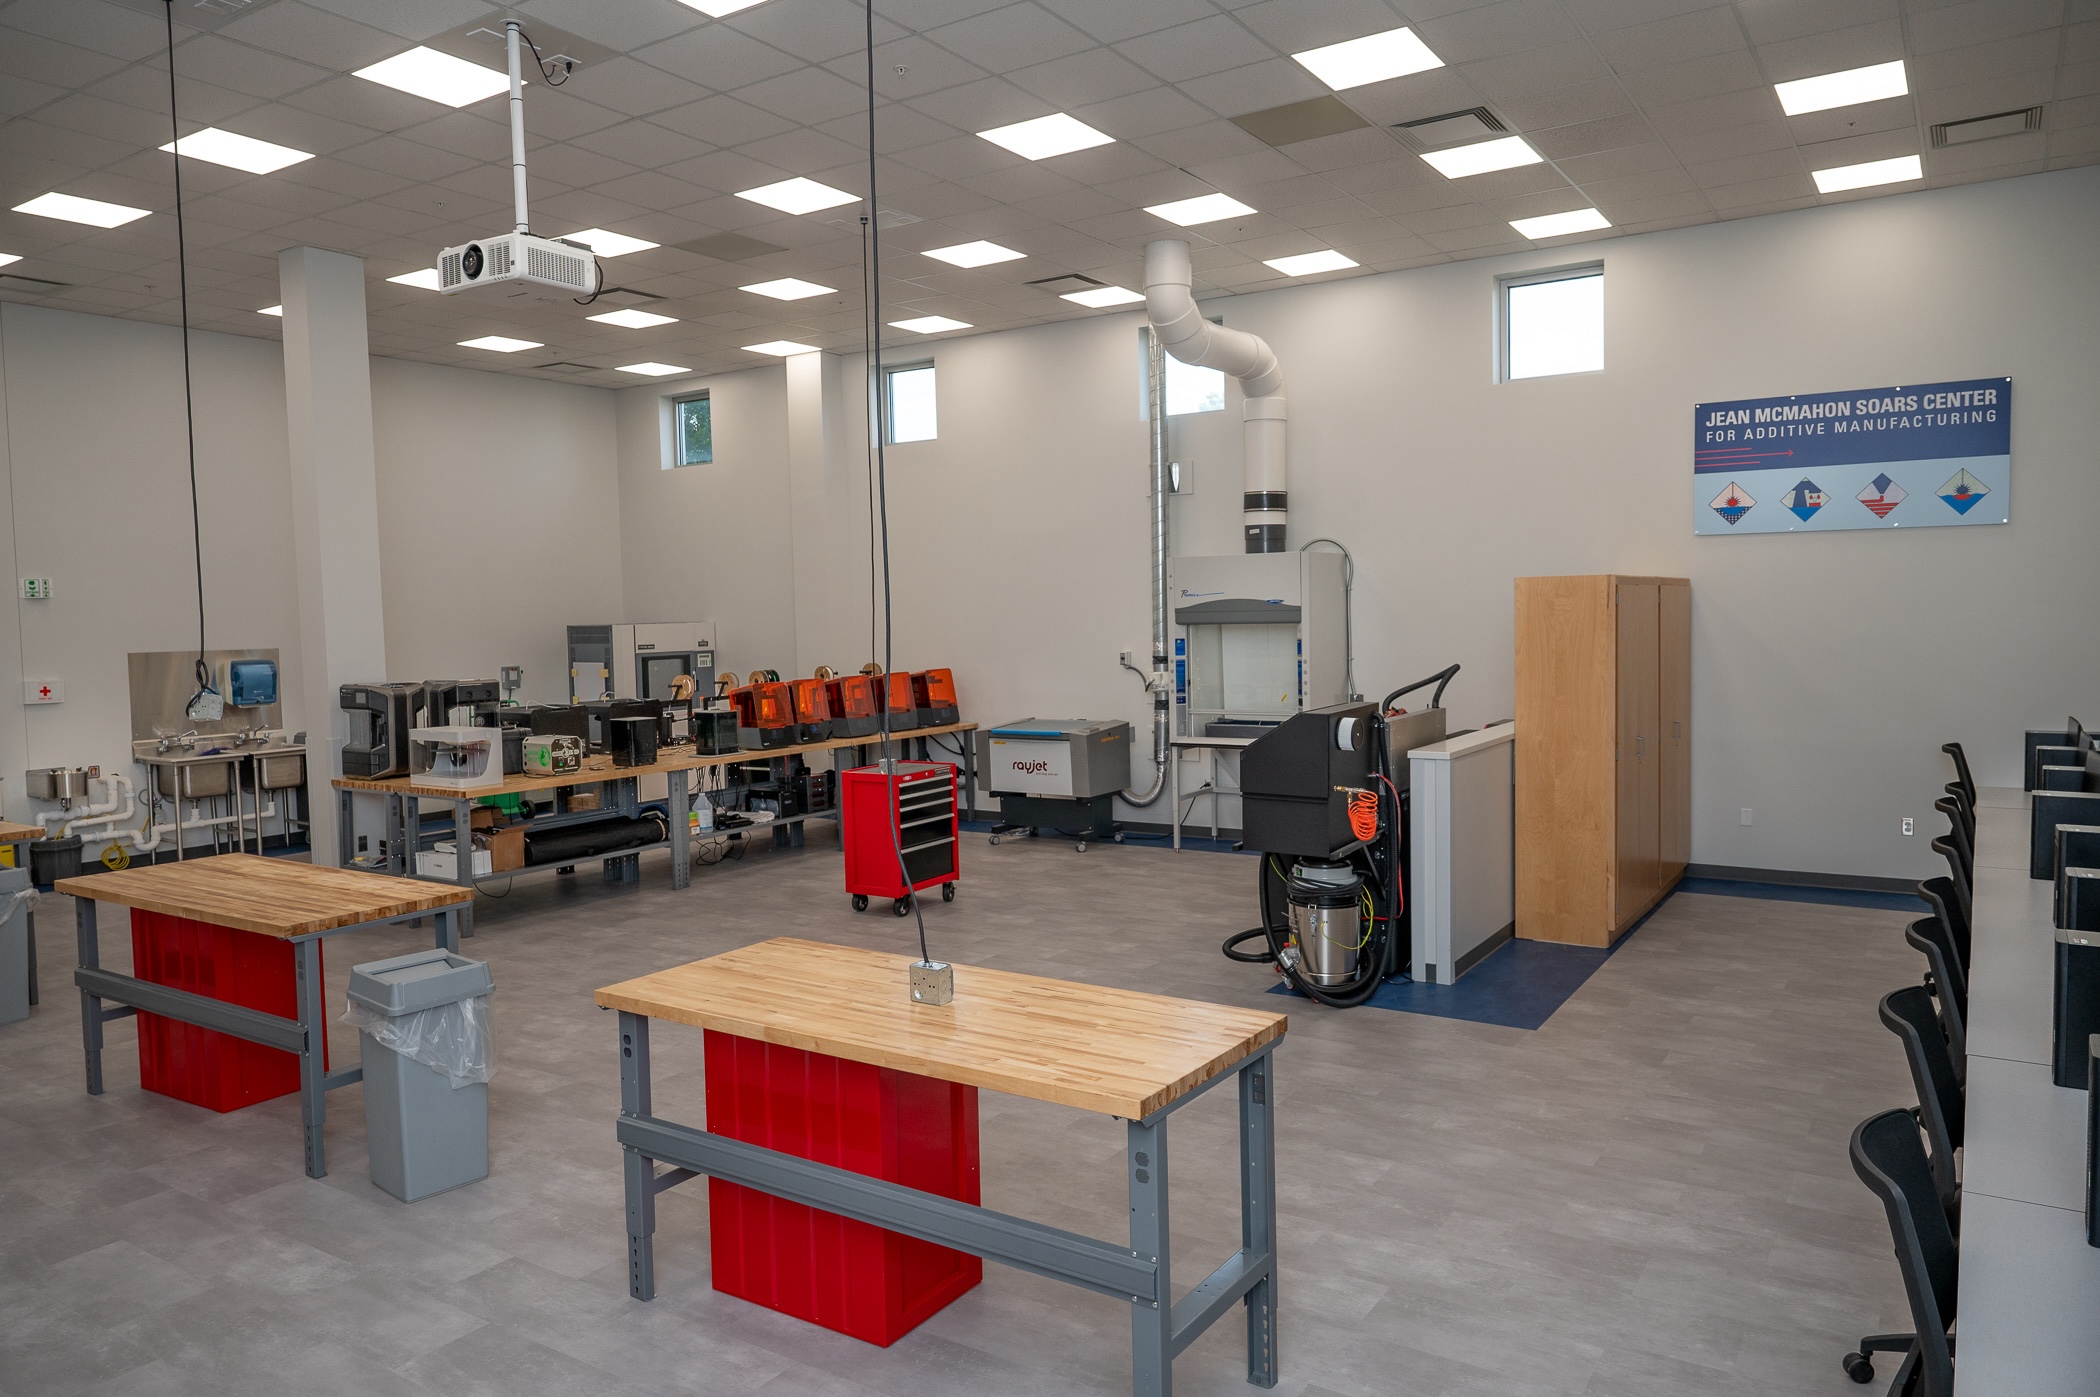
788,289
1373,58
783,348
1483,157
609,244
654,370
1046,136
236,152
1842,89
93,212
1555,225
422,278
930,324
633,319
1101,297
7,257
798,195
1307,263
502,344
424,72
977,254
1204,208
720,9
1843,177
277,311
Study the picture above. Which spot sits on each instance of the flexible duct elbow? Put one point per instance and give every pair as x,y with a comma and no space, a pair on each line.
1171,307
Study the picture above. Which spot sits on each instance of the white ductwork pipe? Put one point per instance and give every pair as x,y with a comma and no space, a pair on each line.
1181,327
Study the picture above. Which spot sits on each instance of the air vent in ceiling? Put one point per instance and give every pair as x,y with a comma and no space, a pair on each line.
1986,128
1065,285
1300,121
1452,128
31,286
729,247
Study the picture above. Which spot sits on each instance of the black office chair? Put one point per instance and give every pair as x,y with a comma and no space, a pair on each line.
1961,770
1958,831
1948,984
1950,905
1890,1159
1958,875
1908,1013
1964,809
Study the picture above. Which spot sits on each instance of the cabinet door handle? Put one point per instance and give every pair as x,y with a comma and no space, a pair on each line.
1640,746
1677,728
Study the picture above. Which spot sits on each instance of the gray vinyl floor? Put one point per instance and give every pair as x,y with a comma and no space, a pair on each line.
1648,1195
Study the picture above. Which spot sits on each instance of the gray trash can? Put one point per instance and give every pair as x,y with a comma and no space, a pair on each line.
424,1033
17,957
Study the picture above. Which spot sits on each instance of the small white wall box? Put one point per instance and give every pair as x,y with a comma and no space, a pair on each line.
458,759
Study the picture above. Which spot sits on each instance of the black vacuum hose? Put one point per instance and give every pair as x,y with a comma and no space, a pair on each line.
1436,700
1369,977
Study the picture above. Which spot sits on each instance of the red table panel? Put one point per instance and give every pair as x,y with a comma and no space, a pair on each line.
197,1065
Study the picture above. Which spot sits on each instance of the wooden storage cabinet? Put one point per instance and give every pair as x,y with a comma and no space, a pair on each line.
1603,761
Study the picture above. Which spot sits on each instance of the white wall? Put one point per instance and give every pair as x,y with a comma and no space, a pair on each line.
1828,667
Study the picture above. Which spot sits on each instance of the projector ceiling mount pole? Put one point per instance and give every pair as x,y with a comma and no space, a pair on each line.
517,126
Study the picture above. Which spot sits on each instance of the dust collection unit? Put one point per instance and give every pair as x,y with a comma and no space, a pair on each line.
1324,802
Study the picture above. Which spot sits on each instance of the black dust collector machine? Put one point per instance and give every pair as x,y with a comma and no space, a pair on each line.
1326,807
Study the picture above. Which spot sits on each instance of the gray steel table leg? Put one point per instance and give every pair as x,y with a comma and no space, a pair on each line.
463,843
450,926
640,1170
681,829
1151,1321
345,829
313,1072
1258,1210
969,769
31,916
90,1004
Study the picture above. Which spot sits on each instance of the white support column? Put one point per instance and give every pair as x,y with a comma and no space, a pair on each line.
829,533
335,505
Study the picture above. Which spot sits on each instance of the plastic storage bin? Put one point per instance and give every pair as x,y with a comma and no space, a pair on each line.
213,1070
17,964
424,1029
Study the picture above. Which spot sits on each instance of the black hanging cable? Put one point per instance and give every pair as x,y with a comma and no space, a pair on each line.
189,413
879,429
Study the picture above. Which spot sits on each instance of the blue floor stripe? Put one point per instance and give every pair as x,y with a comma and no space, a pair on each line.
1787,892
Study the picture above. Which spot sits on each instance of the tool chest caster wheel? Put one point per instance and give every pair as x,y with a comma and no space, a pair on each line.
900,907
947,892
860,902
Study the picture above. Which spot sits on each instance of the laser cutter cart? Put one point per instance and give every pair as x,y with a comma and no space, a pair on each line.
1056,773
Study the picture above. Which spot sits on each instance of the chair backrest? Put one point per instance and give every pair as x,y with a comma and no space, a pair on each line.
1965,809
1952,977
1889,1159
1909,1014
1958,874
1948,905
1961,770
1953,1016
1958,831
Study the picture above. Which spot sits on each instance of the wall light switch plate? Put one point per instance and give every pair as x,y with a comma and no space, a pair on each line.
36,589
1746,814
43,691
1910,827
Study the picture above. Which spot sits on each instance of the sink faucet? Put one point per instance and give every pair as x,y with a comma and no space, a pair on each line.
187,740
259,733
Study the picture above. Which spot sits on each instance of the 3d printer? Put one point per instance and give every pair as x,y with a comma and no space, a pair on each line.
380,717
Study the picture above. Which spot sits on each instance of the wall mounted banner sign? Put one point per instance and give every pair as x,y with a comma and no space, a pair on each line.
1912,456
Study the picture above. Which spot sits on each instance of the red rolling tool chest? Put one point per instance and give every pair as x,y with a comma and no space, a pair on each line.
907,803
208,1069
853,1277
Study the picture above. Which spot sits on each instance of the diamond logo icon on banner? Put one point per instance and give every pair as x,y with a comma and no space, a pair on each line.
1732,504
1882,495
1805,499
1963,491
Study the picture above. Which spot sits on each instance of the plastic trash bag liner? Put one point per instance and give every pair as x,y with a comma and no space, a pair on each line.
451,1038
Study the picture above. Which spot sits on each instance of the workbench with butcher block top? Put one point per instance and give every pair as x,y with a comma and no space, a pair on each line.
793,1025
294,903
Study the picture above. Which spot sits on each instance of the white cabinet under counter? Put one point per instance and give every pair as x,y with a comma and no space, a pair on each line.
1462,870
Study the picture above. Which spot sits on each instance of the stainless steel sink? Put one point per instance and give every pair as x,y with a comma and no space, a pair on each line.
280,769
199,780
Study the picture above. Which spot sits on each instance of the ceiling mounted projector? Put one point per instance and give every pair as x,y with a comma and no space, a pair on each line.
525,266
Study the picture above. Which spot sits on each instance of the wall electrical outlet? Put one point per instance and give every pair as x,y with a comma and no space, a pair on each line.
1910,827
1746,814
36,589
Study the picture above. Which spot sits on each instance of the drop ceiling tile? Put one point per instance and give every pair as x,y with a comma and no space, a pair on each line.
415,20
1676,38
1989,172
1537,70
806,95
412,160
1254,88
1857,47
1408,172
1413,97
313,36
1646,184
375,217
1072,206
576,167
342,177
1589,137
1566,106
632,87
39,139
1106,165
1748,167
1408,201
1491,30
1143,114
1097,75
2078,145
369,105
557,115
981,105
1625,160
1701,79
2074,111
946,200
92,25
622,26
1655,206
727,171
24,55
1598,16
1017,183
1119,228
1360,228
2023,53
1196,145
1112,21
2082,41
130,128
2026,149
237,214
898,128
19,95
722,121
815,31
641,144
1673,121
1771,21
1012,37
718,57
1981,21
927,68
1209,45
2003,94
1727,141
1893,114
1478,238
243,68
